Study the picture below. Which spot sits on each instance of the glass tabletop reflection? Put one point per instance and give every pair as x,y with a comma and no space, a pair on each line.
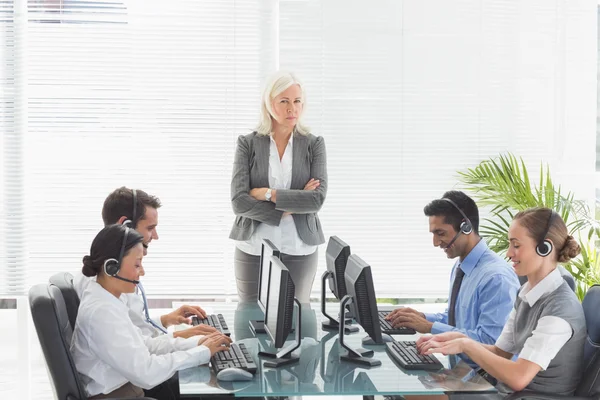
320,370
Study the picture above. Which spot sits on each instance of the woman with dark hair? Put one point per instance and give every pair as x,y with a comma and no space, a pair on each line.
546,327
111,355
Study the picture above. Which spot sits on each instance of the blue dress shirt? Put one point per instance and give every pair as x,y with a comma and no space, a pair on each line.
485,299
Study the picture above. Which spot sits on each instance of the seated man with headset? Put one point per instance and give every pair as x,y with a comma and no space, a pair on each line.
483,286
121,207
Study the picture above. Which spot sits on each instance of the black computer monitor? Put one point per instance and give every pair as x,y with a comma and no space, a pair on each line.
280,313
268,249
363,303
336,258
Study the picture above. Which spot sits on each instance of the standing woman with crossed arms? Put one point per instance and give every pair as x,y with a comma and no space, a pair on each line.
279,184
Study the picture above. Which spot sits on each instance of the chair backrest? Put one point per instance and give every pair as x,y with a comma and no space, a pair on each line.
54,333
64,281
563,272
590,383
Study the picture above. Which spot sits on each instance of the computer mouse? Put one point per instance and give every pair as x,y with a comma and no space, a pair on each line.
234,374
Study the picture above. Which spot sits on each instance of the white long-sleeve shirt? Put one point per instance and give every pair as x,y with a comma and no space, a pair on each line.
109,350
133,301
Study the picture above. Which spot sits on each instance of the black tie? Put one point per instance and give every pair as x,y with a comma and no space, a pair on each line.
455,288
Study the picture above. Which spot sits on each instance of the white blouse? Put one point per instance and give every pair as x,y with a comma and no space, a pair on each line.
109,350
285,236
132,300
550,334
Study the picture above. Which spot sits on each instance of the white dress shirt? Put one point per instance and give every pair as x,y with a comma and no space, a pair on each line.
133,301
109,350
285,236
550,334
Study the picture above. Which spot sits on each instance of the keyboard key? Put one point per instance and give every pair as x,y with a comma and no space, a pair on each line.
237,356
405,353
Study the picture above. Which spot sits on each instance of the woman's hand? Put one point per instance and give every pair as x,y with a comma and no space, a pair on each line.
201,329
442,337
215,342
312,184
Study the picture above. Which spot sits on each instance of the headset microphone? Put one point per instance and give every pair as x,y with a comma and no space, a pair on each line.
453,240
126,280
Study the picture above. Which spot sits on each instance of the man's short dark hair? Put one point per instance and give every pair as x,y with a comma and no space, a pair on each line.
120,202
442,208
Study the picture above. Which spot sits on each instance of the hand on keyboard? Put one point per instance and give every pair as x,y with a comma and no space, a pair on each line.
215,342
182,315
407,317
440,337
446,344
201,329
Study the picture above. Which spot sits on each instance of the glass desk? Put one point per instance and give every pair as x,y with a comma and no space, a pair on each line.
320,370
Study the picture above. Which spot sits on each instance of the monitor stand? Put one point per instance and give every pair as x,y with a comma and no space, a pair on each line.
356,356
257,326
332,324
284,356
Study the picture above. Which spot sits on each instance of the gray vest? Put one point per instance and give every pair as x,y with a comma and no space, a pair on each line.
564,372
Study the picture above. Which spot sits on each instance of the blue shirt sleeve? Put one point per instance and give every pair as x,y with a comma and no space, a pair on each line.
437,317
496,301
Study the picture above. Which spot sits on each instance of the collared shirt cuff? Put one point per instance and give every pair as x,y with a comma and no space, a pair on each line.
431,317
201,353
189,343
438,327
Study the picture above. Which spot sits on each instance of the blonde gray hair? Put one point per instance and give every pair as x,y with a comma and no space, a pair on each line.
278,83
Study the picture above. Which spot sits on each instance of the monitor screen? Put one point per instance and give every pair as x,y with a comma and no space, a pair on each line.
280,303
359,282
336,258
268,249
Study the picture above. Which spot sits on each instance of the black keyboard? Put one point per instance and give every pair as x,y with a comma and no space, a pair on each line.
389,329
237,356
217,321
405,353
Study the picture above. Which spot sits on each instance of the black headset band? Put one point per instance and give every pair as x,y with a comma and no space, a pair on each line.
133,220
548,226
467,220
122,252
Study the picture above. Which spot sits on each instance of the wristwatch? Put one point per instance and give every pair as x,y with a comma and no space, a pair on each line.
268,195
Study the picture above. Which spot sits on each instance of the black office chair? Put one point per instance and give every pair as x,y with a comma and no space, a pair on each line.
54,332
563,272
589,387
64,281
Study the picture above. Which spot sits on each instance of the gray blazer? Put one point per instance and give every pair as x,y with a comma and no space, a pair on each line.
251,170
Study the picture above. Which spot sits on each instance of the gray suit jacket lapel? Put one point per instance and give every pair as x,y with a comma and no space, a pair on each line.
299,154
262,146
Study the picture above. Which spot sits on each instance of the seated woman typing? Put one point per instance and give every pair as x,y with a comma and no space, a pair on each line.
111,355
546,328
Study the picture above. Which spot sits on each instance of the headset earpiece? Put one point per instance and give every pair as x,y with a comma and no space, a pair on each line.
466,228
111,267
544,246
544,249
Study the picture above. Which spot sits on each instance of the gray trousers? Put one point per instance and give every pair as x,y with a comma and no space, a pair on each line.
302,269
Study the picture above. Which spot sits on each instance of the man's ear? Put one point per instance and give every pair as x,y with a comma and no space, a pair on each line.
121,220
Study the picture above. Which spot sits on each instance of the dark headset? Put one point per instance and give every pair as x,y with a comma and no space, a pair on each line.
112,265
544,246
466,227
131,223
